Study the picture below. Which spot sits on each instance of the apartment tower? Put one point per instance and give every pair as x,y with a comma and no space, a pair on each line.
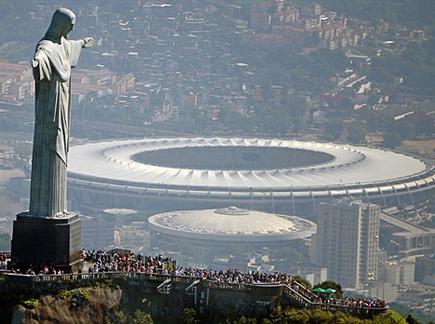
347,241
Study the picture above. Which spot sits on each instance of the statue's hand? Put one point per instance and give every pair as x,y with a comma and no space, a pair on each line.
88,42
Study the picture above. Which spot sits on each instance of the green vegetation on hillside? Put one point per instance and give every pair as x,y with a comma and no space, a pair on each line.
416,64
291,315
331,284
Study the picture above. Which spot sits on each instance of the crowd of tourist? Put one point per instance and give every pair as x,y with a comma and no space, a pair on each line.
40,270
124,261
44,271
354,302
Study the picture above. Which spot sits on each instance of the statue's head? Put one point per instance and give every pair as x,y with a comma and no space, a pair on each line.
61,24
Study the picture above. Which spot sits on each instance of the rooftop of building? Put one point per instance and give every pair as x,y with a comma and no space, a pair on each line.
231,224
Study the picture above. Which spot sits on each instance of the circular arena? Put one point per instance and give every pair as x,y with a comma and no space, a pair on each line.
183,173
231,236
231,224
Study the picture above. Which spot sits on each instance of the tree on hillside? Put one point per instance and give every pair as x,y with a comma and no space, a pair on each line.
392,139
357,135
406,129
190,316
140,317
333,285
333,129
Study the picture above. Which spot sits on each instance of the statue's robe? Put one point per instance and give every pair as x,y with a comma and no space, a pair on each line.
52,65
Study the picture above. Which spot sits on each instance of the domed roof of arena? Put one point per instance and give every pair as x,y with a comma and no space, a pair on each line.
231,224
246,167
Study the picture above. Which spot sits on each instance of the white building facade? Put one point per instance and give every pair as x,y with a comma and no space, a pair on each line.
347,241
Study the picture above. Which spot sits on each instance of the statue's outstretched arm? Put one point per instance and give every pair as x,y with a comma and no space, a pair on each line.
73,48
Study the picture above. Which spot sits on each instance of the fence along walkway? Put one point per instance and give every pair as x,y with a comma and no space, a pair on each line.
354,310
295,292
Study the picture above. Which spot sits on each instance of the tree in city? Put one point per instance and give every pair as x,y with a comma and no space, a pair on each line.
392,139
332,285
356,135
333,129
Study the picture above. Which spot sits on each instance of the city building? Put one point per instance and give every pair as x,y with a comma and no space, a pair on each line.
315,275
385,291
425,268
17,84
419,297
347,241
408,238
399,272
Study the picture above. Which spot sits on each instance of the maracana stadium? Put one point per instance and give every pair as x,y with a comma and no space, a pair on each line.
165,174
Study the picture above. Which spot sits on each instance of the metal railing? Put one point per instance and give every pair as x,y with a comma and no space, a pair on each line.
301,295
353,309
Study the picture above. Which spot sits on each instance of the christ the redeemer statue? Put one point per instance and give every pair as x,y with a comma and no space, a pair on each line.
54,57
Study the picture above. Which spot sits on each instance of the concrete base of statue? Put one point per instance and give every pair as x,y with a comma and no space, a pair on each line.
46,241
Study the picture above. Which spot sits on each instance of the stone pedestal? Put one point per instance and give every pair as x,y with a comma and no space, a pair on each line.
40,241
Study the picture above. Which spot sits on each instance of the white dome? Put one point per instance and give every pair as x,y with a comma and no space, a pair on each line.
231,224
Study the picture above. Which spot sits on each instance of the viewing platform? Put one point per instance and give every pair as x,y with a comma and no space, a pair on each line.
200,293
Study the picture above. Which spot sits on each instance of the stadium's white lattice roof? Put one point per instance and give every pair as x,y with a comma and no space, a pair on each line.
352,169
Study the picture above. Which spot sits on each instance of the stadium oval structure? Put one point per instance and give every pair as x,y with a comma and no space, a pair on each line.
237,170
